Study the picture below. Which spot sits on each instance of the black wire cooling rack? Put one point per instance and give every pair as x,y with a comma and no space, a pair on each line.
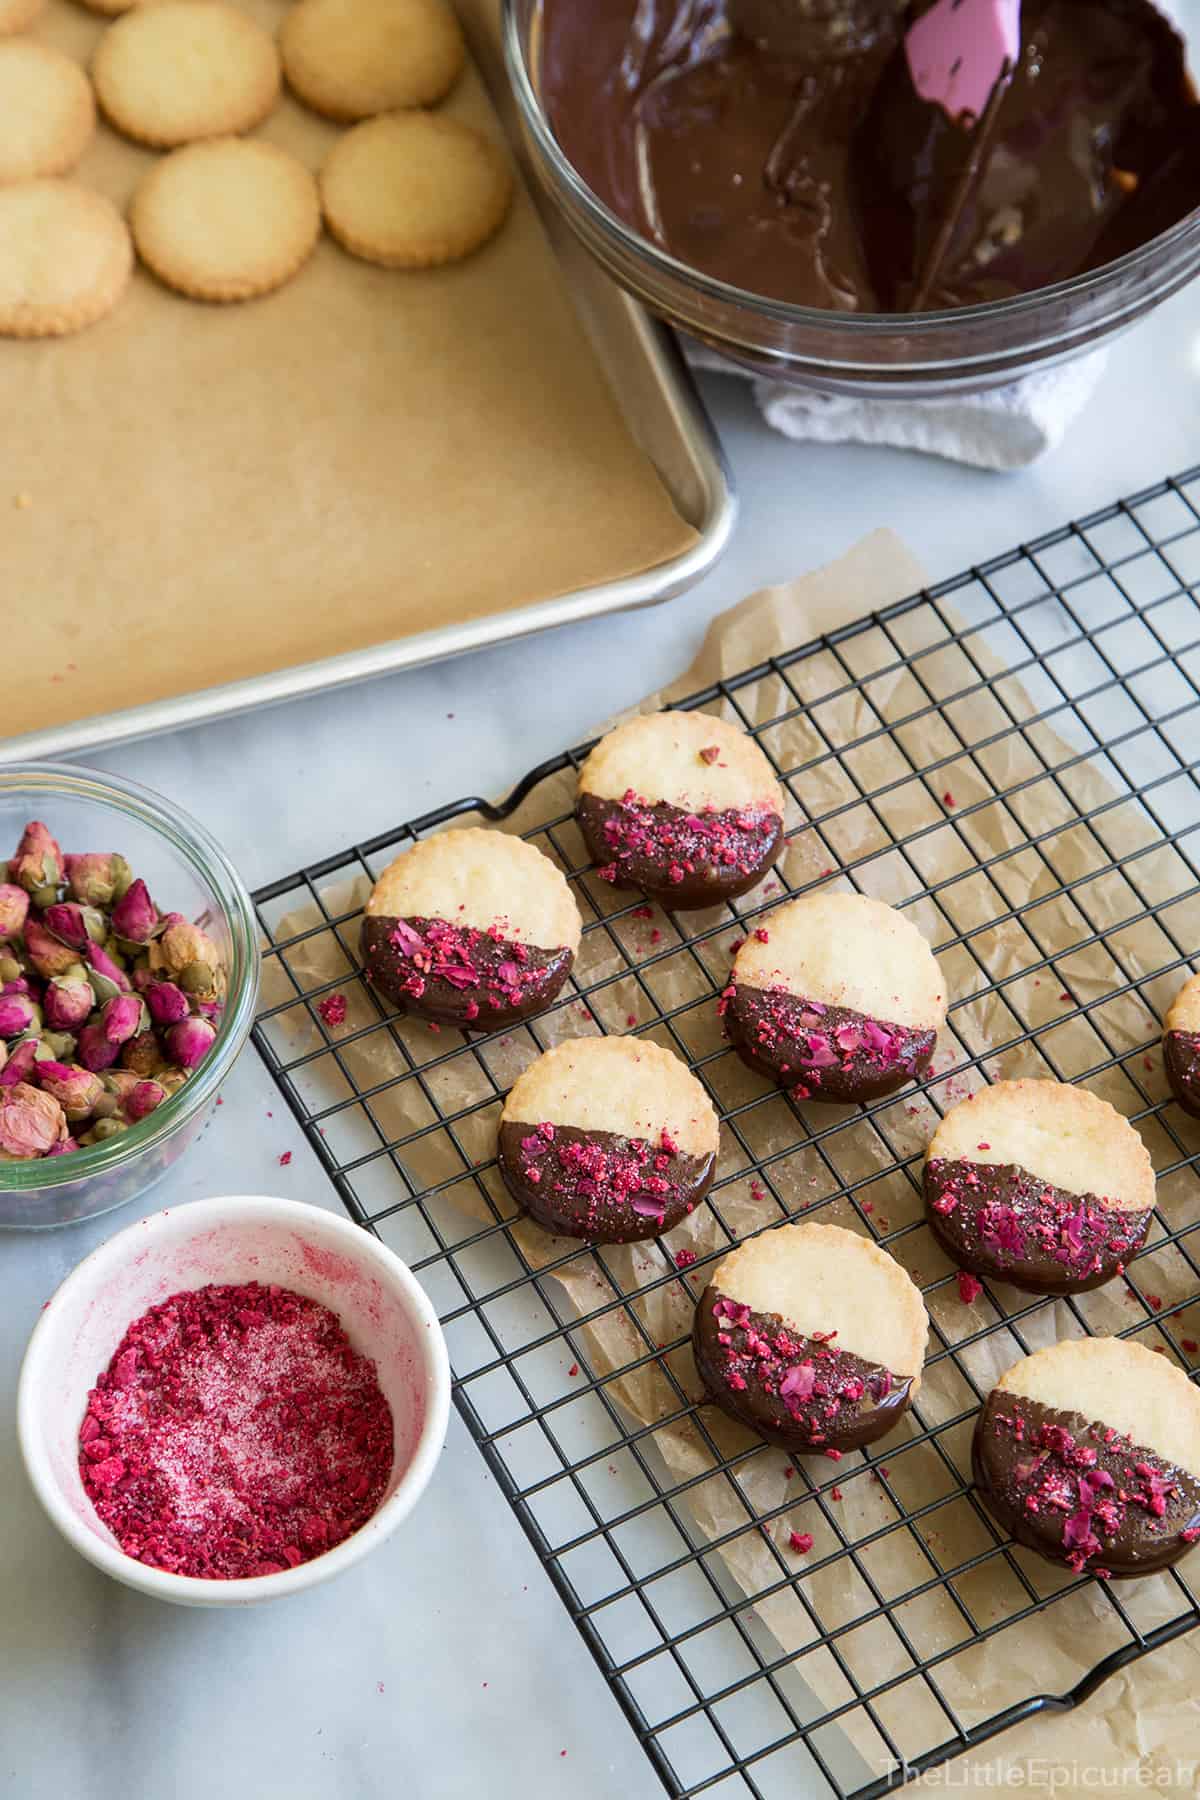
1008,754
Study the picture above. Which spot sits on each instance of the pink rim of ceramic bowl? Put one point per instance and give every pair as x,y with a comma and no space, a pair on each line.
385,1311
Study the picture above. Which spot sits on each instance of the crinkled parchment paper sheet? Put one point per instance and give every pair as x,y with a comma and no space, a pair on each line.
1147,1716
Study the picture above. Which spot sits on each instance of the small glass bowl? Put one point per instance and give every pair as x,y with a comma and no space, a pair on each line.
963,350
187,871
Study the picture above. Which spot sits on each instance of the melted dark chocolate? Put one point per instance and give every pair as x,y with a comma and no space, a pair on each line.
1078,1492
999,1220
599,1186
456,975
822,1052
683,859
793,158
801,1392
1181,1055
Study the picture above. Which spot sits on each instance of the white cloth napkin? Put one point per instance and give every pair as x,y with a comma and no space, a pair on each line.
1004,428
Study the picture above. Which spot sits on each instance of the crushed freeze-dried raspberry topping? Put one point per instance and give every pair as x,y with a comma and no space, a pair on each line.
1086,1485
1000,1216
597,1179
806,1385
235,1432
461,970
638,836
814,1044
333,1009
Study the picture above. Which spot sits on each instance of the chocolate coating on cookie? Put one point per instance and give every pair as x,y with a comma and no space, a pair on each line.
456,975
1181,1056
823,1052
683,859
800,1392
681,806
1181,1046
1079,1492
598,1185
997,1219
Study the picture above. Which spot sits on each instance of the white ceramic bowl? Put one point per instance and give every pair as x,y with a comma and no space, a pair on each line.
239,1238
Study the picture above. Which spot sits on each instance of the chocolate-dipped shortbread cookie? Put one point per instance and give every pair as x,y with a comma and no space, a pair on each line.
608,1139
1089,1452
681,806
837,997
1041,1184
471,928
1181,1046
813,1337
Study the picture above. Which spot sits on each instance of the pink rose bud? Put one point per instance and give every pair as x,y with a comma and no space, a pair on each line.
48,955
31,1123
95,1049
63,1147
141,1101
20,1063
17,1014
189,1042
168,1004
14,905
77,1090
68,1001
38,862
110,978
121,1018
97,879
135,917
74,924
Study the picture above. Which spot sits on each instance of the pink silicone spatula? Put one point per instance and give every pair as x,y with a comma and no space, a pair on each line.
957,52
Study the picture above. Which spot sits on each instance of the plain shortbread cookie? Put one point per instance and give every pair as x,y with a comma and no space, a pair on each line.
617,1084
47,113
179,70
351,59
226,219
65,257
412,190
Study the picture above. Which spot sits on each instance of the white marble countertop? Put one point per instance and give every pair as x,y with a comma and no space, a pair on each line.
446,1666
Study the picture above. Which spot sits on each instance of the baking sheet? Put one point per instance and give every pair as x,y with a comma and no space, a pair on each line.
206,508
1143,1729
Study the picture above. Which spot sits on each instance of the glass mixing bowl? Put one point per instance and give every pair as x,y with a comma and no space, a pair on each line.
188,872
937,353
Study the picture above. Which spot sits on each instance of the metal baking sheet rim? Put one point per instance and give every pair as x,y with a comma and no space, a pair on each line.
660,583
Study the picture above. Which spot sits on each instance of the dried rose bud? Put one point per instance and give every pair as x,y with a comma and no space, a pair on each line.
59,1046
107,977
143,1054
102,1130
48,955
135,917
168,1004
77,1090
18,1013
189,1042
20,1063
63,1147
142,1100
38,863
171,1080
95,1049
74,924
10,968
68,1001
97,879
188,955
14,906
122,1018
31,1123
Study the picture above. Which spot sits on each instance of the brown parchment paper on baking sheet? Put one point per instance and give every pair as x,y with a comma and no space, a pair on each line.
193,494
1147,1719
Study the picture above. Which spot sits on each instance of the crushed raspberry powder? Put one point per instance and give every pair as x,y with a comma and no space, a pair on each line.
235,1432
